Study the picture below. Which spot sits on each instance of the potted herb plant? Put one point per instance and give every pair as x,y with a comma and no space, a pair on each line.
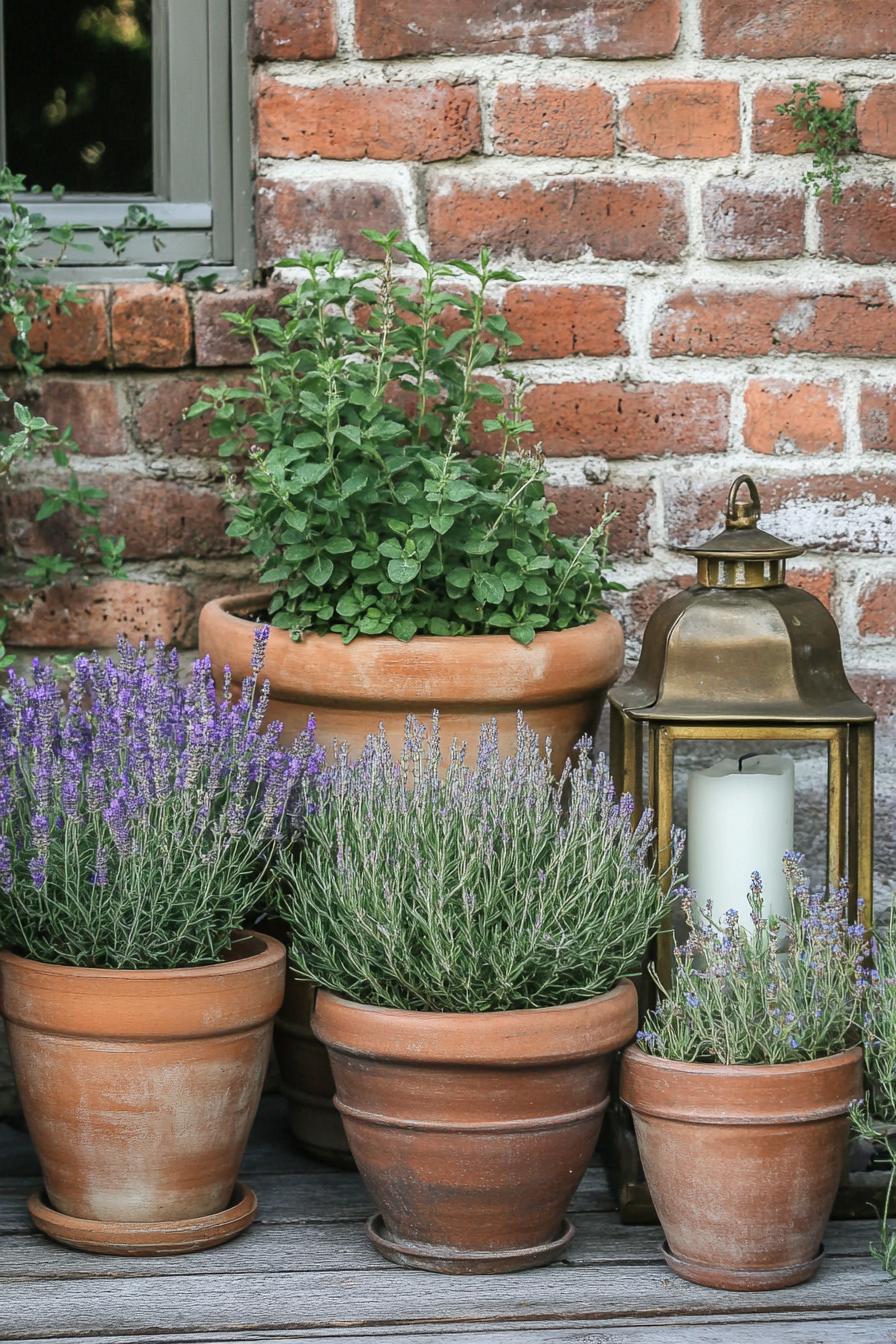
136,819
406,572
740,1086
471,927
875,1121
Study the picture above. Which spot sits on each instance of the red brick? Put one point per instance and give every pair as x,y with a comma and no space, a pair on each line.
853,320
642,600
70,339
854,513
877,609
613,29
580,507
160,424
159,519
774,134
151,326
683,119
294,30
775,28
89,406
92,615
552,121
818,582
876,121
559,219
878,690
862,226
744,222
877,418
558,320
216,341
294,217
787,417
426,122
619,420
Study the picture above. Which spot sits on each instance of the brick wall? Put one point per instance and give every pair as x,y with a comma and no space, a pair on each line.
688,310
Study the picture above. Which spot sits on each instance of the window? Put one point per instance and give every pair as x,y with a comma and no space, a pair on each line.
127,101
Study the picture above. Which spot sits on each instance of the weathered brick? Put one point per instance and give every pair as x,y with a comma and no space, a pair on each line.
558,320
876,121
294,30
159,519
877,609
553,121
216,341
72,339
878,689
745,222
559,219
426,122
877,418
580,507
853,320
292,217
612,29
854,513
775,28
819,582
862,226
624,420
160,425
88,406
151,326
774,134
92,615
682,119
785,417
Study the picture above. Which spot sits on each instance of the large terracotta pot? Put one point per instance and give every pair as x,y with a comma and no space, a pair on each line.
558,681
306,1078
139,1089
742,1161
472,1130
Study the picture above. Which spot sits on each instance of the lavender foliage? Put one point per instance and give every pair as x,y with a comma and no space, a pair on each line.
875,1121
429,883
138,814
777,992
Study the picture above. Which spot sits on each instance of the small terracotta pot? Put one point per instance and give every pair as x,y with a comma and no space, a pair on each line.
472,1130
742,1161
139,1087
559,681
306,1078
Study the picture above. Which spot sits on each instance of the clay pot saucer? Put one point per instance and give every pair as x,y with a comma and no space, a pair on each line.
171,1238
453,1261
742,1280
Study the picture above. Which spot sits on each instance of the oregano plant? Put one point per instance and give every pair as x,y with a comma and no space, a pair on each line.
365,500
829,135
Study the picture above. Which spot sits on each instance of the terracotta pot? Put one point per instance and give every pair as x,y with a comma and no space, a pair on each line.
742,1161
558,681
472,1130
139,1087
306,1078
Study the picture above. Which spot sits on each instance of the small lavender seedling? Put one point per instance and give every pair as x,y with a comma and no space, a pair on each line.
829,136
451,887
137,814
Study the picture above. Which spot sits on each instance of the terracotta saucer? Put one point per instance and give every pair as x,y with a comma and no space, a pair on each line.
174,1238
741,1280
448,1260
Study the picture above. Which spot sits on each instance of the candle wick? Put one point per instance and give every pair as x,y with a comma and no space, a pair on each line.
750,756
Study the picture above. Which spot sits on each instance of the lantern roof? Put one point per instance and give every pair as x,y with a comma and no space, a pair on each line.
742,538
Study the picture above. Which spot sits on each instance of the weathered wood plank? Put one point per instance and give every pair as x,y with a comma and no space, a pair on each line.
345,1301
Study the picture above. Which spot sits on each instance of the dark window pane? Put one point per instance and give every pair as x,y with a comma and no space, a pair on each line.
78,88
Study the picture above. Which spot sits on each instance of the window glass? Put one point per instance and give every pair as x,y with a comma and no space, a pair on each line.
78,90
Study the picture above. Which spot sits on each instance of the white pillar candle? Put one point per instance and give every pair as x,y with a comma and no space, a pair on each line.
740,821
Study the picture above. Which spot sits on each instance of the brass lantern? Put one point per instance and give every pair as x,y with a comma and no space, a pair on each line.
743,657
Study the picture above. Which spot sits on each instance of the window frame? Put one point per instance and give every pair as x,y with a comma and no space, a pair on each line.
201,153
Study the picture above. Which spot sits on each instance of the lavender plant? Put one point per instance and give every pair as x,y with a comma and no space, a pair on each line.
136,812
443,886
778,992
876,1120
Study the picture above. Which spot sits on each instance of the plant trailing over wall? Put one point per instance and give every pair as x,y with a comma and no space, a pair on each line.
137,813
876,1120
361,501
450,887
829,135
735,999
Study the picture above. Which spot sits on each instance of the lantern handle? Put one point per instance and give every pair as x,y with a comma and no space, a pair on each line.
739,514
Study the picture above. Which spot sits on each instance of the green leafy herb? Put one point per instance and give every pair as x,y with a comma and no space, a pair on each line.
829,136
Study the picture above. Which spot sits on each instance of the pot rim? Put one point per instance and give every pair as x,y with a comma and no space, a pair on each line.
741,1071
568,1031
269,953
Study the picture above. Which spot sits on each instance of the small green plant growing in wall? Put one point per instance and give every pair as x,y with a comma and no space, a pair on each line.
829,135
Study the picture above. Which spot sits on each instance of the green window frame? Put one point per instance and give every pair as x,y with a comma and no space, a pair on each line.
201,151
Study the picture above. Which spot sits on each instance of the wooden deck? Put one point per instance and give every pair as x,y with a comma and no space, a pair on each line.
306,1272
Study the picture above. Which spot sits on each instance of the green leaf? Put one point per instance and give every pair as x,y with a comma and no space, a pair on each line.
338,545
404,628
319,571
403,570
440,523
459,577
308,473
488,588
364,560
523,634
